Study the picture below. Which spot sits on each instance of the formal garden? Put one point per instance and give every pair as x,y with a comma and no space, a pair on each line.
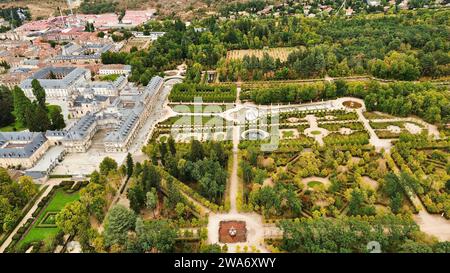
41,230
428,161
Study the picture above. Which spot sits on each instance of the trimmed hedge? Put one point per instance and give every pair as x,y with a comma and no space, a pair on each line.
208,93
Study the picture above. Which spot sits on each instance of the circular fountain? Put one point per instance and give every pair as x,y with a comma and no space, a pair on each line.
255,134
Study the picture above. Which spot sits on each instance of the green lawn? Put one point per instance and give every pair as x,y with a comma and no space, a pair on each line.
199,109
10,128
109,78
314,184
59,200
288,134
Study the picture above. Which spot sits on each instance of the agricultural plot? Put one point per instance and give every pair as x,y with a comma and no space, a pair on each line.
139,43
280,53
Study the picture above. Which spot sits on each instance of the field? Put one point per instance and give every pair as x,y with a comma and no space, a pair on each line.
281,53
139,43
38,231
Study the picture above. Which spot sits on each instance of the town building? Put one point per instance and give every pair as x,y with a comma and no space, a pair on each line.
88,53
82,105
122,120
22,149
58,82
153,36
14,78
115,69
103,88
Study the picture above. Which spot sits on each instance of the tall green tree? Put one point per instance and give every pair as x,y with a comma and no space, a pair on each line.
6,106
108,164
38,92
130,165
151,201
73,218
118,222
156,236
22,104
57,119
37,119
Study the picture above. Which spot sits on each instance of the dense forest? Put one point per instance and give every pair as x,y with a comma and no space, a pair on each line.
399,99
394,233
402,47
406,46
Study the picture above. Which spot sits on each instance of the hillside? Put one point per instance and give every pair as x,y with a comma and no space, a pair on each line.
185,9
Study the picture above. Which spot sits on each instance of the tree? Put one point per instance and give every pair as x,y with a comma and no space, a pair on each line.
150,177
90,27
151,200
173,194
252,155
5,214
180,210
196,152
37,119
411,246
156,236
172,147
22,105
341,88
73,218
394,191
211,178
357,204
108,164
213,248
136,195
38,92
6,106
93,197
57,118
247,172
28,187
130,165
118,222
163,152
194,73
347,234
